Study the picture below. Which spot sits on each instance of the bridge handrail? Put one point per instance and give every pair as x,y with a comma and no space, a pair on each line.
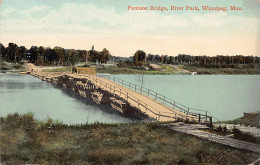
151,109
159,97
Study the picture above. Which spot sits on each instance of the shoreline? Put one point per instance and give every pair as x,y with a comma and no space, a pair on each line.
159,70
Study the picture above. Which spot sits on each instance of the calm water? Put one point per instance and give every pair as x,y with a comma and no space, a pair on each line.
225,96
25,93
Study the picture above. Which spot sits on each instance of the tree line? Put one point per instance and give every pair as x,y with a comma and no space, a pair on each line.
51,56
61,56
140,58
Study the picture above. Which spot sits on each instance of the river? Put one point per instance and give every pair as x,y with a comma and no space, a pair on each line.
225,96
25,93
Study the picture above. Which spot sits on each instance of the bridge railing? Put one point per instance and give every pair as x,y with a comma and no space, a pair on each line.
202,114
138,103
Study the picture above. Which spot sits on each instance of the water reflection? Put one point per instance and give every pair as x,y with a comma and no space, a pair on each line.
25,93
87,101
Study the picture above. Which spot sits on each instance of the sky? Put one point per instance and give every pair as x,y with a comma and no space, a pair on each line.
108,24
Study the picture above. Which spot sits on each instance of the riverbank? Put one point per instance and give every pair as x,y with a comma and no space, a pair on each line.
250,119
224,71
12,67
151,69
245,128
26,140
163,70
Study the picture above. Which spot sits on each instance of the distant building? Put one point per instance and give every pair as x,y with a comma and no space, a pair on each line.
84,70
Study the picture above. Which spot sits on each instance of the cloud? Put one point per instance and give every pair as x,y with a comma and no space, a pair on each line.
89,23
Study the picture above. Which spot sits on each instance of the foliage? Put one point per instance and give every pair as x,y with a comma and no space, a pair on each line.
139,58
64,69
48,56
251,120
129,143
218,61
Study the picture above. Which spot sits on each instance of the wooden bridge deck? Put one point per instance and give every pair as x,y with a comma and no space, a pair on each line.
147,105
195,130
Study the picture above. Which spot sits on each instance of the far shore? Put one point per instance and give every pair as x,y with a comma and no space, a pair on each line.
149,69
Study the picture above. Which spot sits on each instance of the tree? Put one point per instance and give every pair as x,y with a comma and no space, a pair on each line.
105,55
72,56
60,53
139,58
40,55
22,53
2,52
85,55
12,53
50,56
32,54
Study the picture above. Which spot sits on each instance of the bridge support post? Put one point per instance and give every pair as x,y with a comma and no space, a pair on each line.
210,121
199,118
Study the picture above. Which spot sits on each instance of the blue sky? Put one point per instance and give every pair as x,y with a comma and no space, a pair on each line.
108,24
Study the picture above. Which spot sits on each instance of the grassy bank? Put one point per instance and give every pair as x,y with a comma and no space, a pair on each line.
177,69
251,120
224,71
118,70
12,67
163,69
63,69
25,140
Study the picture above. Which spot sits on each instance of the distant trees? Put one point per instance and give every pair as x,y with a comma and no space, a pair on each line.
61,56
22,53
12,51
204,61
32,54
60,53
104,55
48,56
139,58
96,56
2,50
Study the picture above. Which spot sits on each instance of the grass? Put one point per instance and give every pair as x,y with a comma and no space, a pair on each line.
63,69
251,120
165,69
200,70
26,140
12,67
